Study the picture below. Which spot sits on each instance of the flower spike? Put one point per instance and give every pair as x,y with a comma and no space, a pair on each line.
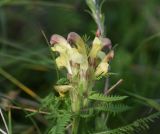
82,67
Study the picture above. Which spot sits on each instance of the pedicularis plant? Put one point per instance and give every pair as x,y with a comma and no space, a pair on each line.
83,68
77,108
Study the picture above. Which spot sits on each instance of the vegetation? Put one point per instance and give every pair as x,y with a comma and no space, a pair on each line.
74,85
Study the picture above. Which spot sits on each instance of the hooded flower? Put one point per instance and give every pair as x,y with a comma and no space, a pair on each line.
62,89
102,68
59,40
78,42
96,47
75,39
98,44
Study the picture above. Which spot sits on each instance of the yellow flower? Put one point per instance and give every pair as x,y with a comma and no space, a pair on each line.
102,68
75,39
59,40
63,61
62,89
96,47
98,44
75,56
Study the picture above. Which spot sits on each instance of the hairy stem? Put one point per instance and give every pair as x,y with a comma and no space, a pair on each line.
97,15
76,106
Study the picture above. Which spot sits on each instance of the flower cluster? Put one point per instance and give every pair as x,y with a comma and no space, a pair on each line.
83,64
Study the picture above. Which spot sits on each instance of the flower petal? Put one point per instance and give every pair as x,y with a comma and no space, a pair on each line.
75,56
78,58
101,55
63,61
102,68
96,47
62,89
59,48
109,56
77,40
59,43
57,39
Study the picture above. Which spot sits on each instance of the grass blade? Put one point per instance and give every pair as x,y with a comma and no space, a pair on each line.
4,121
19,84
147,101
9,121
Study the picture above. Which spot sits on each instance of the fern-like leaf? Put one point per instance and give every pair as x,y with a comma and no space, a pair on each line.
102,97
62,122
109,107
112,108
135,127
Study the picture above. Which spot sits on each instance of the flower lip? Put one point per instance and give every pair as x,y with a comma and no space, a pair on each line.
110,55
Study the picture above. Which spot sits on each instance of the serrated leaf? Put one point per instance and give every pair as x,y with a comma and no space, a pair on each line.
102,97
112,108
62,122
136,126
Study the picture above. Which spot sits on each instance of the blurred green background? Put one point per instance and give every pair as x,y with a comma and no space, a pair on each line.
24,53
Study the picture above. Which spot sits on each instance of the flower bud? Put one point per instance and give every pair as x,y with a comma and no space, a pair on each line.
98,33
96,47
102,68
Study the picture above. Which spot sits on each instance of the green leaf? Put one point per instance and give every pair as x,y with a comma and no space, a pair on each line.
112,108
147,101
62,122
136,126
102,97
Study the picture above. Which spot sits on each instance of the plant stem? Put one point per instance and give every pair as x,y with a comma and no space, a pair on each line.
75,125
97,15
76,106
9,121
